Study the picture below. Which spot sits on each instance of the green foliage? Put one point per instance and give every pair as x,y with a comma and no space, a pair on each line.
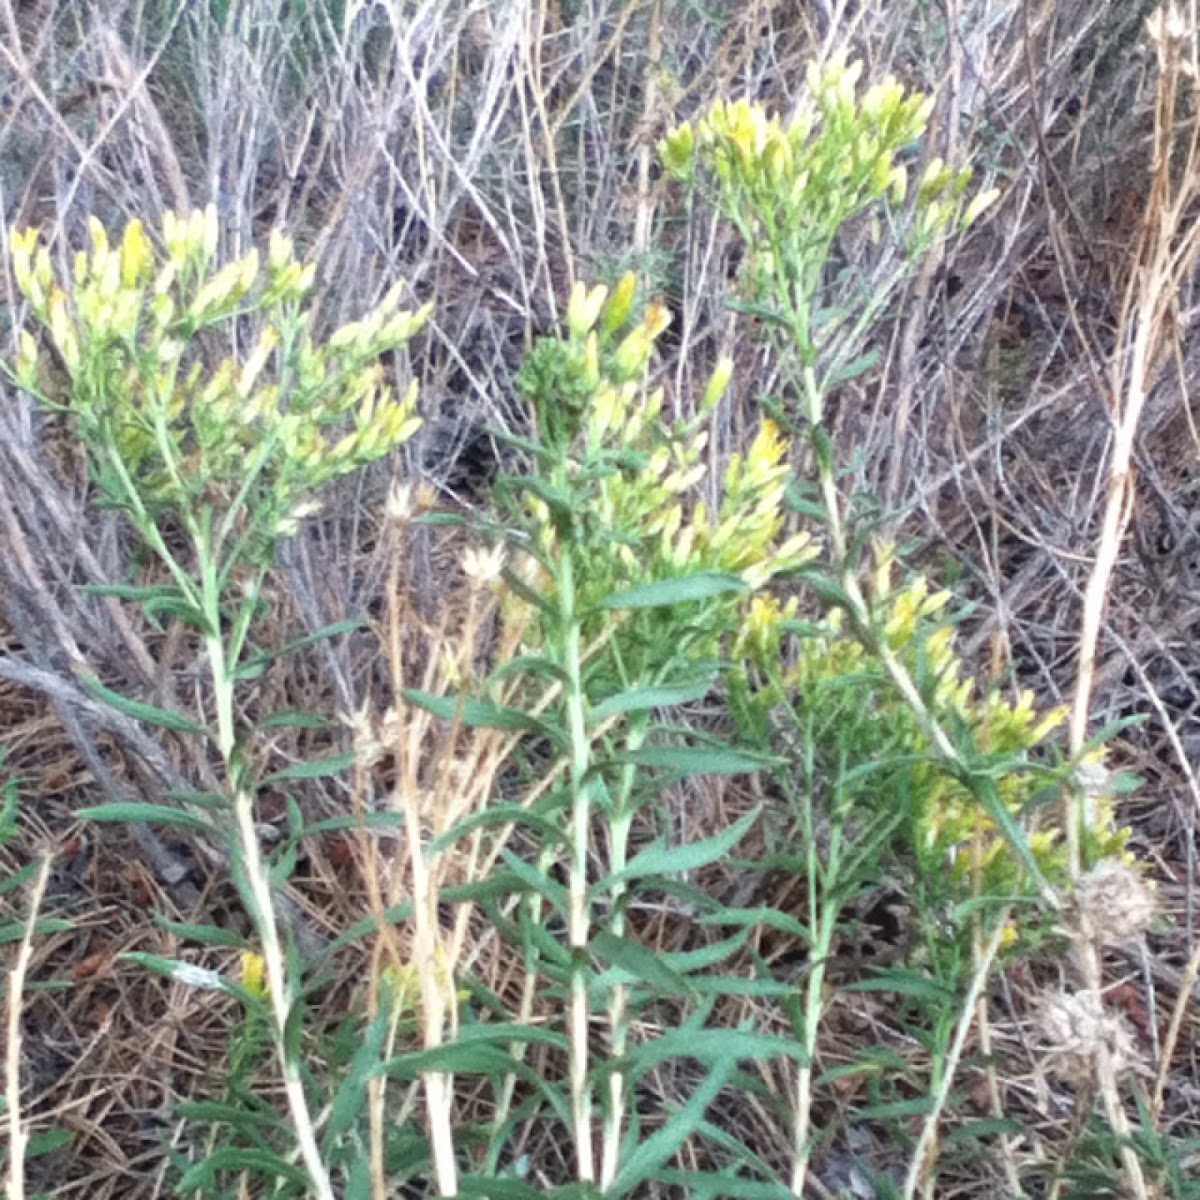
234,447
636,584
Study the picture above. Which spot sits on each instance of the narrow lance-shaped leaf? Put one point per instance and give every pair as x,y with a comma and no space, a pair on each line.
644,699
668,592
139,710
660,859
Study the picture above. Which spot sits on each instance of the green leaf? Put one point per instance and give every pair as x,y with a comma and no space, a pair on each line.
146,814
516,1189
521,589
140,711
124,591
457,1058
697,760
481,714
751,918
660,859
47,1143
182,610
850,370
350,1100
350,625
536,881
498,884
903,982
257,661
499,814
206,935
319,768
668,592
264,1162
537,665
294,720
660,1147
643,699
704,957
18,878
15,931
638,961
727,985
355,821
211,801
180,972
919,1106
985,790
984,1127
827,590
697,1185
711,1045
234,1115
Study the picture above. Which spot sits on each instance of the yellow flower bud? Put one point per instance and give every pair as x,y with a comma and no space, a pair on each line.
135,254
591,361
583,308
254,974
279,251
62,330
633,354
718,385
249,272
264,347
27,361
210,231
979,205
22,247
675,151
621,304
658,317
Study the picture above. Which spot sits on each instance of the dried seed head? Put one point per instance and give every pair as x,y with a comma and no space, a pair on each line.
400,504
483,567
1115,904
1072,1027
368,750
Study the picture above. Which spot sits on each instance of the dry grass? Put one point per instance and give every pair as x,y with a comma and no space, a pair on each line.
491,154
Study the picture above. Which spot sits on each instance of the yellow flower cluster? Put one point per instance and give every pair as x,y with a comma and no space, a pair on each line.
953,826
801,180
646,507
284,415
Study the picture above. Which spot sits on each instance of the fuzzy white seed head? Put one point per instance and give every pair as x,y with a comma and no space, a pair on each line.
1073,1027
1115,903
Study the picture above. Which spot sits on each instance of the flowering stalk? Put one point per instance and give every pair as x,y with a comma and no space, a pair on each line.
789,190
233,455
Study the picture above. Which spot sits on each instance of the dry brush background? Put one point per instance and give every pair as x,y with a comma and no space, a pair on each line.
491,152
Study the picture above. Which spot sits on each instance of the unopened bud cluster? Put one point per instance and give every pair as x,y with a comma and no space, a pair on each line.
169,429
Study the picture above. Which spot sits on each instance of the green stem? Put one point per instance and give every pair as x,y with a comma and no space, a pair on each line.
579,916
259,885
822,922
618,1001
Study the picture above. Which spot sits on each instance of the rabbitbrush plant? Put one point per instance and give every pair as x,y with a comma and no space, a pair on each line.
657,623
790,190
215,461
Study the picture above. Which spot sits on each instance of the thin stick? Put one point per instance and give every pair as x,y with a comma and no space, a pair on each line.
928,1139
18,1139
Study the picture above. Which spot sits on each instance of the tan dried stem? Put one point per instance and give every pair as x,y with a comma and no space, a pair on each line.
18,1138
1164,252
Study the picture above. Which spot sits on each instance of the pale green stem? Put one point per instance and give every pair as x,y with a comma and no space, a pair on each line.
579,916
18,1135
822,922
618,1001
258,881
921,1165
